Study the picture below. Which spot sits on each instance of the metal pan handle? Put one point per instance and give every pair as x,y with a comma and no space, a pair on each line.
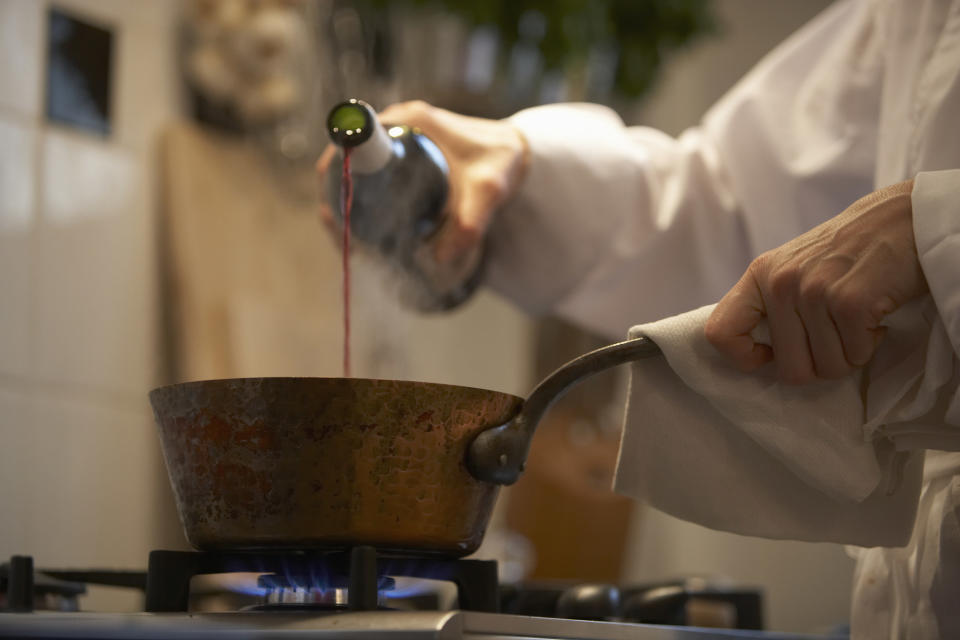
498,454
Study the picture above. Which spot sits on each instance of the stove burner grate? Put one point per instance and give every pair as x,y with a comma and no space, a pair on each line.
362,573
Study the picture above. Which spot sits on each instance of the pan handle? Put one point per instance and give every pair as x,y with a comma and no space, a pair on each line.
498,454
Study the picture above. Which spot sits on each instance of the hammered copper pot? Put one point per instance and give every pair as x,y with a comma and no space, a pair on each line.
314,462
304,463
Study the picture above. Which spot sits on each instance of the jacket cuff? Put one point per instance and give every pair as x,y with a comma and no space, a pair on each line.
936,227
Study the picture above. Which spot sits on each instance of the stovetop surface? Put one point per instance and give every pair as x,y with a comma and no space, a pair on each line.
370,625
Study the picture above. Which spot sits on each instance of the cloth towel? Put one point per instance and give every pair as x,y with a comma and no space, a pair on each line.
838,461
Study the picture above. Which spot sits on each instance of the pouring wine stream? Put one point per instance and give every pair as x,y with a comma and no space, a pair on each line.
346,202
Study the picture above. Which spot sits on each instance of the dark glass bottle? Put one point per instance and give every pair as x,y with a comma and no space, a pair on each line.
400,191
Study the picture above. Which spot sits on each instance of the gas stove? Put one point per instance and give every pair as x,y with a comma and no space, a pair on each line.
359,595
368,625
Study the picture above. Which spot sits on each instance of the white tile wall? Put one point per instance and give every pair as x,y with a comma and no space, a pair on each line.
93,306
85,177
17,184
20,55
16,269
17,174
17,477
93,299
89,461
144,92
80,470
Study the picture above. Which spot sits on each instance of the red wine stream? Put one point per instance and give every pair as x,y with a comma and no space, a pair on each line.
346,201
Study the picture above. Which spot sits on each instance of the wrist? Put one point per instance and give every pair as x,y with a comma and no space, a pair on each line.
520,150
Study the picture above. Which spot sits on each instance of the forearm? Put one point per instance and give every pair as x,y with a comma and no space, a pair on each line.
614,224
619,225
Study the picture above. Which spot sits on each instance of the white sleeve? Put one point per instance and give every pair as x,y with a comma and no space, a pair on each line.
936,226
616,225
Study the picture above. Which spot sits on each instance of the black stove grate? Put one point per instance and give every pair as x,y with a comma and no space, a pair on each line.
361,568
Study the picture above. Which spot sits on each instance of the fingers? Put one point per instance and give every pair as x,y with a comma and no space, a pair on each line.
825,344
481,193
815,297
326,214
819,322
729,326
807,341
458,135
857,308
418,114
323,168
412,113
457,239
461,234
791,349
324,161
824,319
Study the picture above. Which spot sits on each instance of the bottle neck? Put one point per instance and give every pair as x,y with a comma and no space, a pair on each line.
373,154
354,124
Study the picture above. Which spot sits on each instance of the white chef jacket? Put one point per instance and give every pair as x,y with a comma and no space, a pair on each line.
615,226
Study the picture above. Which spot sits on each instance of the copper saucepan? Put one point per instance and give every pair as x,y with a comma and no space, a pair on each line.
268,463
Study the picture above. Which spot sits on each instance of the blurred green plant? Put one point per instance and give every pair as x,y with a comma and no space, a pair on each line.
639,33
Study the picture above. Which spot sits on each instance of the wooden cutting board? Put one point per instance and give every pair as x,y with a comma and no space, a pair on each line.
253,278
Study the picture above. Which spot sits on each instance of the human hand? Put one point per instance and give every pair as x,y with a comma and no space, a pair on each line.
825,292
487,160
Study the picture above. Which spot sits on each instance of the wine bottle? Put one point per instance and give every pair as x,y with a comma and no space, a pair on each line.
400,191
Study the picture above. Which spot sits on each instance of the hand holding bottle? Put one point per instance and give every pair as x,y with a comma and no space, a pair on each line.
487,160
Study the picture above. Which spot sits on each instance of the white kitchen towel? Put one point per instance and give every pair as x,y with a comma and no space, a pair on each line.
836,461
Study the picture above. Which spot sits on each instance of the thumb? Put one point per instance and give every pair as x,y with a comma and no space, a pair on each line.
730,325
469,219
